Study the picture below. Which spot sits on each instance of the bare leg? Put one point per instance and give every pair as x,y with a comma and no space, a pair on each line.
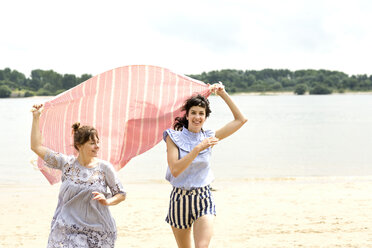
183,237
203,231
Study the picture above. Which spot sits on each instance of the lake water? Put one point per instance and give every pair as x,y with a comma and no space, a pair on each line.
286,136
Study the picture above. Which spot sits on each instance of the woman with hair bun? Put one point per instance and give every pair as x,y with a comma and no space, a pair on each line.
188,153
82,217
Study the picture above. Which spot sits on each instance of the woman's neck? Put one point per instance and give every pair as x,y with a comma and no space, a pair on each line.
85,160
194,130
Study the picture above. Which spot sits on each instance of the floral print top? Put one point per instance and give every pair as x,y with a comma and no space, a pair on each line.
80,221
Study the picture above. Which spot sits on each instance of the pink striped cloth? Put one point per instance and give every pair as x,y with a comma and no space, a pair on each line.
130,106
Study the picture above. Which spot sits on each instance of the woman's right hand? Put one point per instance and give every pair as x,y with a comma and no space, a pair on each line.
207,142
36,110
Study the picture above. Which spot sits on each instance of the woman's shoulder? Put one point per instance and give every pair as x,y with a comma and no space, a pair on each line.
52,153
209,133
170,130
105,165
173,134
178,138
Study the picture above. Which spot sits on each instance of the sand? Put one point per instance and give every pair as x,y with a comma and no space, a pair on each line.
272,212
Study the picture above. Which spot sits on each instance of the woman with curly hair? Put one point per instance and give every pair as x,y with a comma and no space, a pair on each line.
189,149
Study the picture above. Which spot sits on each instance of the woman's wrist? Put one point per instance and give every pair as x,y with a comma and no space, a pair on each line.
223,94
109,201
198,148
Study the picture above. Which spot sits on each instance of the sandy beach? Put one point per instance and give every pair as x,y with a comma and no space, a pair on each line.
271,212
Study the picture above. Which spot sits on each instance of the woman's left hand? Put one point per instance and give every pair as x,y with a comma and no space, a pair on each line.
101,198
217,88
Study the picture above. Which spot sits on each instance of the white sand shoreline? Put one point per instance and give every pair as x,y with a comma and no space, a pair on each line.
269,212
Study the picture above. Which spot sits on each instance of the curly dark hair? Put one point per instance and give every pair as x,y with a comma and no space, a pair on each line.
197,100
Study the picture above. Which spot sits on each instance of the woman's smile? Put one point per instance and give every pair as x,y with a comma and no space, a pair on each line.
196,118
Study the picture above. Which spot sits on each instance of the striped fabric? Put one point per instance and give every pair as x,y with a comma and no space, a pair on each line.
186,206
130,106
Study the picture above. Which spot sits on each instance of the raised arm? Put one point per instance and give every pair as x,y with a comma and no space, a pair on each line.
36,137
239,118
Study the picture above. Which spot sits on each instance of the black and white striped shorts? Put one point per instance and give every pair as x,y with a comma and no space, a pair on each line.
186,206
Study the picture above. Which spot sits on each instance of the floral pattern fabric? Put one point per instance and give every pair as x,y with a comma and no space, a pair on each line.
80,221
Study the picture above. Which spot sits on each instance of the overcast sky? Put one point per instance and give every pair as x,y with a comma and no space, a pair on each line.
188,37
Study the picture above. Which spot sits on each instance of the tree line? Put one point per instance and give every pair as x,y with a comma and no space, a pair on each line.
49,82
299,82
40,83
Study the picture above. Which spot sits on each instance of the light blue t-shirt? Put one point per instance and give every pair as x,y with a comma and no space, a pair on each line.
199,172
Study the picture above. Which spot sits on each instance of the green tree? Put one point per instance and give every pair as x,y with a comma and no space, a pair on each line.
351,82
288,83
59,91
320,90
48,87
10,84
276,86
83,78
6,73
258,86
40,78
300,89
5,91
18,78
68,81
28,94
44,92
250,79
54,80
36,81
